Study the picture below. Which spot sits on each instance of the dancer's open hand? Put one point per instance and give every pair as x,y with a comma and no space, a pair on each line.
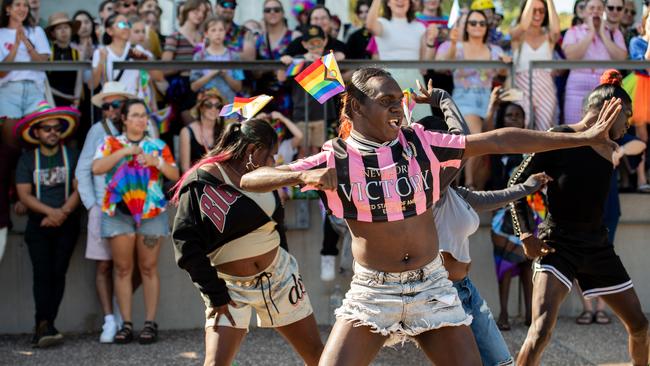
321,179
598,133
535,247
430,95
219,311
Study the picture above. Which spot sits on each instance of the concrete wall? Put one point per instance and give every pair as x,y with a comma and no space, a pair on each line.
181,307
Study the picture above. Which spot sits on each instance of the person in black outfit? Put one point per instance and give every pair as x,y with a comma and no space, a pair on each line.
573,241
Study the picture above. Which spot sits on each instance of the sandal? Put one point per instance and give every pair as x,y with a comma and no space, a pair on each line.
149,333
124,335
585,318
601,317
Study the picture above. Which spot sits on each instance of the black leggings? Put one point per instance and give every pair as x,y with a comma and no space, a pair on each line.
50,250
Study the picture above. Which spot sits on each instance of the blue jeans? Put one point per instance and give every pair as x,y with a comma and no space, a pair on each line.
491,345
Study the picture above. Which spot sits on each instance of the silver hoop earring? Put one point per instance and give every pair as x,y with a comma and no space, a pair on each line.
250,165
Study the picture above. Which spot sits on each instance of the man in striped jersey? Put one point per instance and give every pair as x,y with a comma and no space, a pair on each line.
384,179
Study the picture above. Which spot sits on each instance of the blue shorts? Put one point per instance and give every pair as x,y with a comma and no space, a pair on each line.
491,345
121,224
20,98
472,100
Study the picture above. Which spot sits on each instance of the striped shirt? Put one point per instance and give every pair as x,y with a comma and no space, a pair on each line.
388,183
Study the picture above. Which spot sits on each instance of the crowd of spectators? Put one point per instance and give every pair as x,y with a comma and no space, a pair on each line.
166,120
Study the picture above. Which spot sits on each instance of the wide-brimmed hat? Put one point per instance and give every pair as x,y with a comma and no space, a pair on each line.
111,88
203,97
68,116
59,18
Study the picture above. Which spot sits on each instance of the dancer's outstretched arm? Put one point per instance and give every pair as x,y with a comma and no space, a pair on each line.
266,179
517,140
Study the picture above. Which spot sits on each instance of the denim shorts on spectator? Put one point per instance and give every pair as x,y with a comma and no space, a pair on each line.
472,100
20,98
402,305
122,224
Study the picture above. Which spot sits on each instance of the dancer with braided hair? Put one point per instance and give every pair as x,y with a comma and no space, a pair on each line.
573,241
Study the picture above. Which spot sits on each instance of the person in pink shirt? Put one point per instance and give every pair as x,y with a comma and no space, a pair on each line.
592,40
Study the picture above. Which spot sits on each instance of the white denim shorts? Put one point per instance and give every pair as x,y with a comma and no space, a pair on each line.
277,294
405,304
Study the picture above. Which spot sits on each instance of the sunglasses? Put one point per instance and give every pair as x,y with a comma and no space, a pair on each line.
228,5
208,105
116,104
480,23
128,5
48,129
618,9
274,9
123,24
632,12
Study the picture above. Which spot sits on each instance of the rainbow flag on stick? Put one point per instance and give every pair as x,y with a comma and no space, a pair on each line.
162,118
408,104
246,107
322,79
295,67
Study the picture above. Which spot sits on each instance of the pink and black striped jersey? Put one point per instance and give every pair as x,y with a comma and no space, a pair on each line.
388,183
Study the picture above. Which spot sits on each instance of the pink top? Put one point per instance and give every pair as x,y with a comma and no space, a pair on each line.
597,49
389,183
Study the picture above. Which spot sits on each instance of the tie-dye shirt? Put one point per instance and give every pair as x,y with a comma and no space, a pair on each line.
389,183
138,187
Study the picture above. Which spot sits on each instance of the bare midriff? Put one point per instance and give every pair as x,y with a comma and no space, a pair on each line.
249,266
395,246
457,270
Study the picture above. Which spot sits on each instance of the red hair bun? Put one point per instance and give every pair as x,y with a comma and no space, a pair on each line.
611,77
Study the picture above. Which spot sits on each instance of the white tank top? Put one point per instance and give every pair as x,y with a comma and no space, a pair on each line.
455,221
528,54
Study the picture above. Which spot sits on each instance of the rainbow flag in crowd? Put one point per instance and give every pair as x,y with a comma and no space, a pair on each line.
295,67
163,119
408,104
322,79
246,107
427,19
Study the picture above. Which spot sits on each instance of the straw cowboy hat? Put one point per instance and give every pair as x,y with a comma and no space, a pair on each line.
68,116
203,97
111,88
59,18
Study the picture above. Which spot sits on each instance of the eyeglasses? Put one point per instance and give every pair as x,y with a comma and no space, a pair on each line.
632,12
116,104
123,24
228,5
48,129
274,9
618,9
479,23
208,105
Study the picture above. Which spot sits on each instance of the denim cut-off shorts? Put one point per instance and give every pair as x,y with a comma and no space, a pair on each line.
405,304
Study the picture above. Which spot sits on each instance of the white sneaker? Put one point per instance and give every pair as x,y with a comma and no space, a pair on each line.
109,329
327,264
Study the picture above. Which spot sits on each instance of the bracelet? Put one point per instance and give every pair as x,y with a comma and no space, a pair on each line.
431,45
160,163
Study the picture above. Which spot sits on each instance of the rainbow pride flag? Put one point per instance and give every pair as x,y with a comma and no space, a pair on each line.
427,19
246,107
295,67
408,104
322,79
163,119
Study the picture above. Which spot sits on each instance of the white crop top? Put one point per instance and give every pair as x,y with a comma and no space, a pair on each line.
261,240
455,221
528,54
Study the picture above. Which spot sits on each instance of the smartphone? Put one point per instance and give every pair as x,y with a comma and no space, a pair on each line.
512,95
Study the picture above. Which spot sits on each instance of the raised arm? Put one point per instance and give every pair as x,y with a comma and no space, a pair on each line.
520,29
372,20
491,200
439,98
517,140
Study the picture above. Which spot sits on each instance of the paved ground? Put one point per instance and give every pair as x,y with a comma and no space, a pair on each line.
571,345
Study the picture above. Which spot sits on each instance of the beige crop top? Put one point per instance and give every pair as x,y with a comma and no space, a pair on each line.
261,240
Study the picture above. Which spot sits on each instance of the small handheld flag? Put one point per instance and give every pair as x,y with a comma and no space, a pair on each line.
454,15
162,118
246,107
408,104
295,67
322,79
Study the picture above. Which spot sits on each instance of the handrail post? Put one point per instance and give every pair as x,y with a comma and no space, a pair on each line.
531,109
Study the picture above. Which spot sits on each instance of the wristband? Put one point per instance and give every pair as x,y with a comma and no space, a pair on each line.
160,163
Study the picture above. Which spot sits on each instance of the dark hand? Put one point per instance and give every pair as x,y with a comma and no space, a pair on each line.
426,96
538,180
599,132
535,247
218,311
321,179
